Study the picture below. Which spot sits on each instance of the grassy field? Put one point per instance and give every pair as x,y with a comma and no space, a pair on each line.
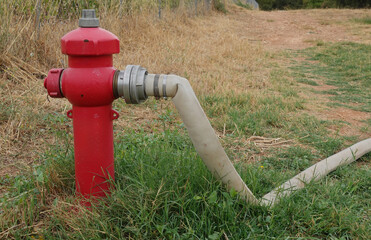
273,112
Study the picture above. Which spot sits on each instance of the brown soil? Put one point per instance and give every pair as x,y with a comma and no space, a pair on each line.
353,120
278,30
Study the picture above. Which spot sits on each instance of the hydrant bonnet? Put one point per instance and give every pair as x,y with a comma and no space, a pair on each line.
89,39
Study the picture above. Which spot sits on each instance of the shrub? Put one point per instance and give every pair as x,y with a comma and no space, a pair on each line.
296,4
219,6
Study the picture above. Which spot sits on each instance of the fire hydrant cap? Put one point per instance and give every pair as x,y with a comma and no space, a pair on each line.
88,19
89,39
52,83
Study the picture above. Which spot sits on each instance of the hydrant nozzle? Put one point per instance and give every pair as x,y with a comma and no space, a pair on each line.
130,84
52,83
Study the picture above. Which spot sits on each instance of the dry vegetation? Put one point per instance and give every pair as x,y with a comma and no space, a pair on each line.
207,50
220,54
223,55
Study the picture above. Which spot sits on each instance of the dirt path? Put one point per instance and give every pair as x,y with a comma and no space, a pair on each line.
278,30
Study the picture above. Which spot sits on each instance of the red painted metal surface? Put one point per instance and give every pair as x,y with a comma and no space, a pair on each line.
93,138
87,84
51,83
90,41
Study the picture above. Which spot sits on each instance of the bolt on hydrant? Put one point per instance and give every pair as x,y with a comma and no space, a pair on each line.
90,83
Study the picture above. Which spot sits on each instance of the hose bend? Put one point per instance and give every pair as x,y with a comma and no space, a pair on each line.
207,143
212,153
199,129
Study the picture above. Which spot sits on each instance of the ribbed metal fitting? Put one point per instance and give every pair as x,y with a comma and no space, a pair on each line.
130,84
88,19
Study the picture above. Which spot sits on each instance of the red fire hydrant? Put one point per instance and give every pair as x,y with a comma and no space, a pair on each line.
87,84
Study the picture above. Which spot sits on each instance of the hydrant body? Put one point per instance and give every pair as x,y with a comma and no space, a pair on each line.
87,84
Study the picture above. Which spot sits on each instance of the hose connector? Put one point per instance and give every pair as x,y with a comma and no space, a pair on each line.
130,84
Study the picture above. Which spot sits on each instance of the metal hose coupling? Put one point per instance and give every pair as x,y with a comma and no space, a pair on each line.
130,84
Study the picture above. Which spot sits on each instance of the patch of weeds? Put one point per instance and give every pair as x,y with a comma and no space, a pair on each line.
369,121
59,167
219,6
23,200
341,103
270,115
320,43
288,92
364,20
254,123
307,81
292,158
248,115
29,194
367,128
260,178
244,5
316,42
345,66
6,110
313,132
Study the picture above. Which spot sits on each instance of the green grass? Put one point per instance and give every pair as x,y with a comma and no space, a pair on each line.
308,81
244,5
364,20
163,190
346,66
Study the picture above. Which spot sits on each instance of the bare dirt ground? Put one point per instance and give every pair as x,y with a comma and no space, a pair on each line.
279,30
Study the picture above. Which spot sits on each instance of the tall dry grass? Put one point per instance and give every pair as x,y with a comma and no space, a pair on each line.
209,50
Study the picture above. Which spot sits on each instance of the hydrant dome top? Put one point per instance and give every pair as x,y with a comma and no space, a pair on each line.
90,42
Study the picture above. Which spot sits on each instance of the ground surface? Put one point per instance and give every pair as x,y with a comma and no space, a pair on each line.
279,30
277,105
295,30
275,32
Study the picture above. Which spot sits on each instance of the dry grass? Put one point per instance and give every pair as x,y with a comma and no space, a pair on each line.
211,50
207,50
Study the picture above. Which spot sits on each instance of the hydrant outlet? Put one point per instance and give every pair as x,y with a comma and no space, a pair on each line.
53,83
130,84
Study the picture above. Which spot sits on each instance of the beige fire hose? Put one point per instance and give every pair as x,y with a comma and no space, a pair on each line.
207,143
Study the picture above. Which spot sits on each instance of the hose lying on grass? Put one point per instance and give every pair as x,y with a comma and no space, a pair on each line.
213,155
